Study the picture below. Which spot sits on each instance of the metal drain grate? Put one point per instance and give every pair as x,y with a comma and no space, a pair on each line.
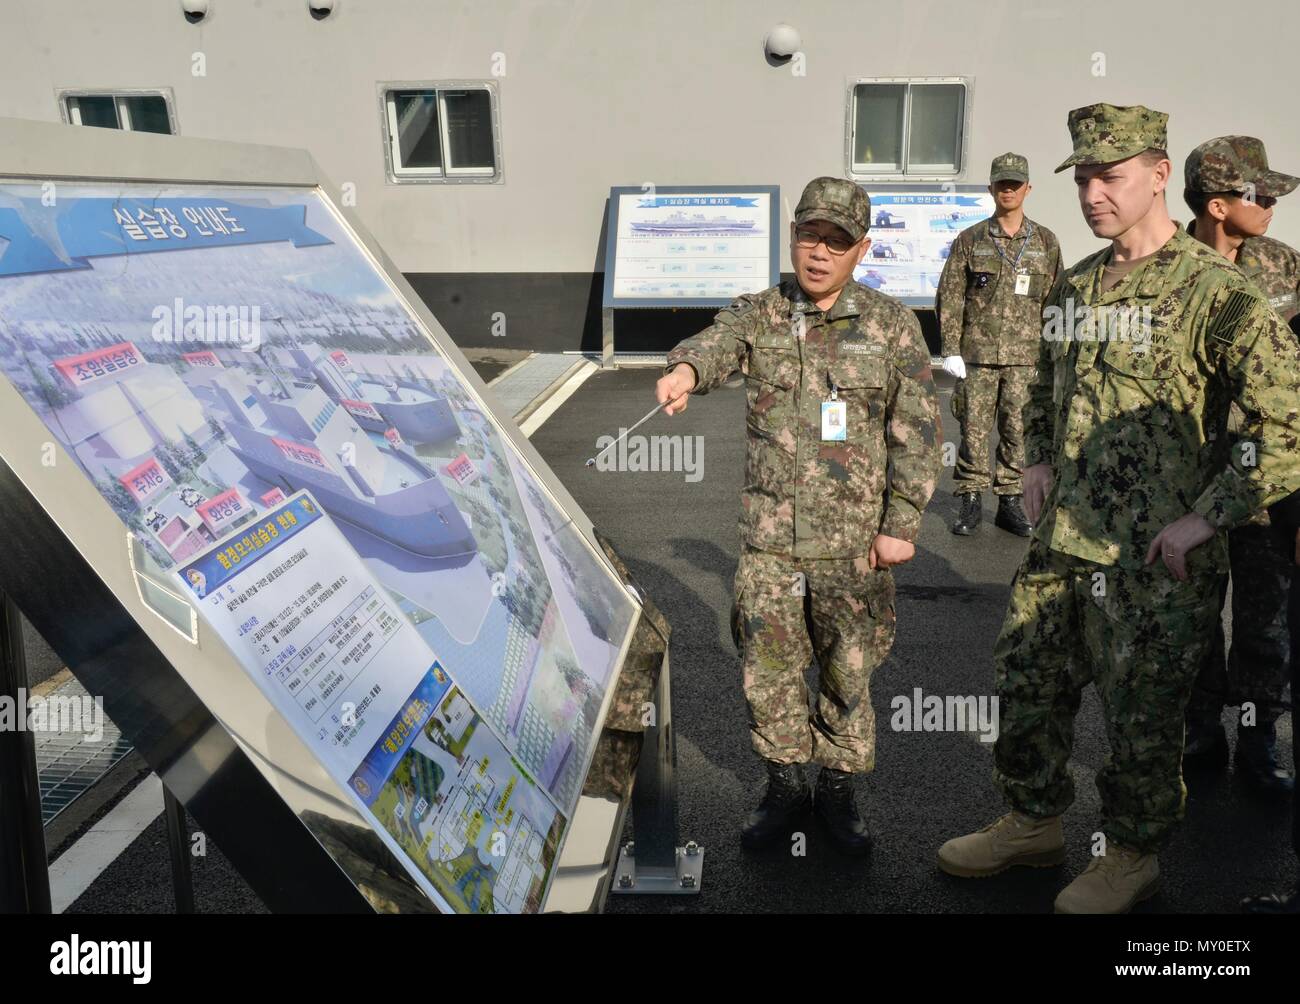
527,382
69,764
627,358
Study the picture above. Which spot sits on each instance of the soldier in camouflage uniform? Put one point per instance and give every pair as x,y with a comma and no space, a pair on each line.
1144,346
1231,191
990,304
839,390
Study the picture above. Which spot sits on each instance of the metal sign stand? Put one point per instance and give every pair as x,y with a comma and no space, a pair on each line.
24,871
652,863
179,850
24,874
607,338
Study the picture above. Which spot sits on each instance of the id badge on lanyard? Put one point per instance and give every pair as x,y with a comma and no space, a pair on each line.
1022,274
835,418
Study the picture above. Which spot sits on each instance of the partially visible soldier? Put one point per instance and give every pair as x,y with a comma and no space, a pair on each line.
990,305
1284,517
1231,191
842,458
1144,346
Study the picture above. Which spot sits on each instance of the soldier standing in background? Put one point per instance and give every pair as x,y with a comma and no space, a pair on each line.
1284,520
997,277
1144,346
1231,191
839,389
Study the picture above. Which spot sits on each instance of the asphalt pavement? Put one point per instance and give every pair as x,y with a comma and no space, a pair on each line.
680,540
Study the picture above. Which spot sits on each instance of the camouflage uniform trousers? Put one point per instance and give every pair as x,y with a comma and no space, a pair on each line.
789,609
1256,668
985,393
1141,642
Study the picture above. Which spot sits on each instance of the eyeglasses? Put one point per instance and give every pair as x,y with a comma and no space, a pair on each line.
1263,201
834,244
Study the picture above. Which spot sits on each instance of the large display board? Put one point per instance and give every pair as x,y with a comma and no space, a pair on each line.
682,246
912,229
241,383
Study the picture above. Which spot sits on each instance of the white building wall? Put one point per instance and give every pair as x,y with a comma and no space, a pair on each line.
609,92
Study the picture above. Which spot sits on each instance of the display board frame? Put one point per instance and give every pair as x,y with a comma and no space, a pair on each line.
881,238
50,155
612,241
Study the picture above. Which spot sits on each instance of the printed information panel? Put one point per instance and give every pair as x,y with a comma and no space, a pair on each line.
695,247
332,652
210,357
911,233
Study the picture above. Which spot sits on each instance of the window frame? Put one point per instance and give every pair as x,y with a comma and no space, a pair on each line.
65,95
904,172
397,175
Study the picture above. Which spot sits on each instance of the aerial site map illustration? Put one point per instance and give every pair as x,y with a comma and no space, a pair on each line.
222,363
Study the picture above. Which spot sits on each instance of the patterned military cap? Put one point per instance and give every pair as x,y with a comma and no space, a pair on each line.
1234,164
1103,133
840,201
1009,167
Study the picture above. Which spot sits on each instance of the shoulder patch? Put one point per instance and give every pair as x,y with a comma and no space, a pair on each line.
740,306
1223,326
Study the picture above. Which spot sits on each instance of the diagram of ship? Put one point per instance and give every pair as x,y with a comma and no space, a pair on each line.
680,223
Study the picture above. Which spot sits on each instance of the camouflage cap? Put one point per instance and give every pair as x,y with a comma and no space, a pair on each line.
1234,164
838,200
1103,133
1009,167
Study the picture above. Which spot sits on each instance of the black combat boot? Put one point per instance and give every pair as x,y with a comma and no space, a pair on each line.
969,517
838,812
1257,764
786,799
1205,744
1011,516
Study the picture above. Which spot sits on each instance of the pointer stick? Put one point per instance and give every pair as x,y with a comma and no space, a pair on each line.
657,408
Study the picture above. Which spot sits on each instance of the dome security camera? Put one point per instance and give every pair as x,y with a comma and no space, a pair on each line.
321,9
194,10
782,42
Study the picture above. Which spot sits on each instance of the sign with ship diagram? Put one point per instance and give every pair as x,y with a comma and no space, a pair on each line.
690,246
341,506
912,229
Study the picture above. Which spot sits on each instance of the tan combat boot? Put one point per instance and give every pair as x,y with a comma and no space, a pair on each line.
1015,839
1112,883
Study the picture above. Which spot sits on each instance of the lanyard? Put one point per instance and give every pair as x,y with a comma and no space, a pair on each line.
1015,265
